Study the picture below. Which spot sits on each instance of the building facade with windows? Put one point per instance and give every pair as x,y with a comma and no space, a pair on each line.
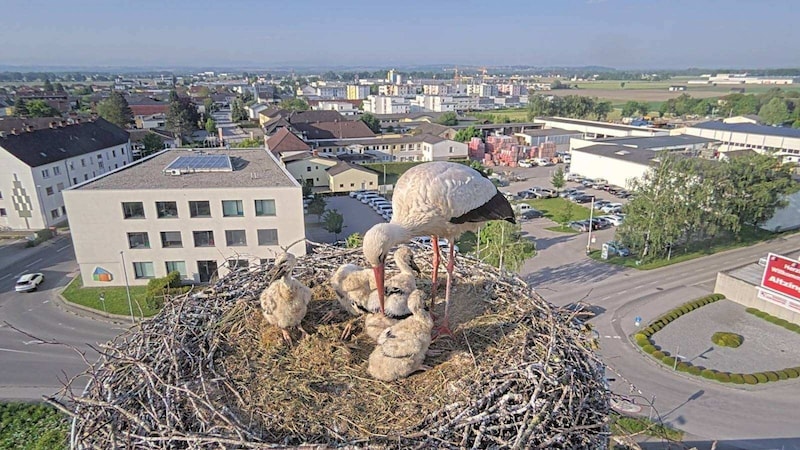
200,213
38,164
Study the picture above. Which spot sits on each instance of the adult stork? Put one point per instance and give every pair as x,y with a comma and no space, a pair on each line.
437,199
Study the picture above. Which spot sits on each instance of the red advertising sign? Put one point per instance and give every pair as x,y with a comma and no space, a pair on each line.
782,275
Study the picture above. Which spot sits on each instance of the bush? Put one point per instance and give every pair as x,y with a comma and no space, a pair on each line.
708,373
782,322
726,339
723,377
772,376
737,378
751,310
750,379
761,314
762,378
791,373
771,319
695,370
683,367
782,375
640,337
658,354
649,349
668,360
793,327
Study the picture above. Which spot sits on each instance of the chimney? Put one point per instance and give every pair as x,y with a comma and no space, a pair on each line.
29,128
14,131
52,124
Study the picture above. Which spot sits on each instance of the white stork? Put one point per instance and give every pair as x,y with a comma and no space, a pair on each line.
437,199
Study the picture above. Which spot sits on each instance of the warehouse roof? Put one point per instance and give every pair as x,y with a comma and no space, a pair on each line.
750,128
658,141
592,123
634,155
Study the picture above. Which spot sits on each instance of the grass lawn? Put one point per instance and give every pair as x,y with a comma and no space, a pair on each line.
681,254
393,170
555,209
624,425
562,229
32,426
116,298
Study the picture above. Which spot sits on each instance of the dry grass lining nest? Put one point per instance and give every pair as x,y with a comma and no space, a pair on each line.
209,372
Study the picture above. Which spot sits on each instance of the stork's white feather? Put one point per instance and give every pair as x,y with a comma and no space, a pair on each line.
285,301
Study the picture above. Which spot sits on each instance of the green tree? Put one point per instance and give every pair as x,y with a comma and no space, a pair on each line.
448,118
48,86
211,126
501,244
466,134
209,106
632,108
182,116
238,111
774,113
20,107
40,108
295,104
372,122
622,85
558,179
355,240
115,109
333,222
58,87
152,143
250,143
485,171
317,206
601,109
567,214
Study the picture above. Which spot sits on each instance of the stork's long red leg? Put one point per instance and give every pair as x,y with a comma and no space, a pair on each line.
435,273
444,327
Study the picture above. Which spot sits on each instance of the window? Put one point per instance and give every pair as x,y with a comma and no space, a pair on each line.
166,209
83,162
122,150
46,173
54,214
235,238
60,187
232,208
64,210
177,266
99,157
268,237
206,270
85,176
113,153
71,165
199,209
266,261
203,238
143,270
171,239
138,240
265,207
234,264
133,210
56,170
100,165
48,190
308,168
3,212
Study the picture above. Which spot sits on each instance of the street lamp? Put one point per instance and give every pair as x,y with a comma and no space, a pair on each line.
384,173
127,288
591,216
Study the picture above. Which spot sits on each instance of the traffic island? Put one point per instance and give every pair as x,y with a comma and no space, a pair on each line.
750,353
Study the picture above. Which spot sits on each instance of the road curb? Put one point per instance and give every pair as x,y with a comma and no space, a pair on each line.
85,311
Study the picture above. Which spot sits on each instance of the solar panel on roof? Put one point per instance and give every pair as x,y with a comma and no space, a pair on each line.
208,163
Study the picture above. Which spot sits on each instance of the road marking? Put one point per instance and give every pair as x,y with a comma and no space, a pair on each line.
35,341
3,278
612,337
622,292
62,248
11,350
46,302
34,262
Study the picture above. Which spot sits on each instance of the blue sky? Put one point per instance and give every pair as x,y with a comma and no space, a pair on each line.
268,33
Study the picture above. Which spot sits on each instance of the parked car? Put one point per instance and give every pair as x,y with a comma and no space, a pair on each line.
579,225
525,163
545,193
368,197
531,214
601,223
354,194
544,162
29,282
613,219
586,182
622,194
574,194
574,177
600,203
566,192
362,194
611,208
615,248
373,200
520,208
426,241
582,198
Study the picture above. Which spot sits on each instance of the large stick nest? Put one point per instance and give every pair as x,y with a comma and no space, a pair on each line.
209,372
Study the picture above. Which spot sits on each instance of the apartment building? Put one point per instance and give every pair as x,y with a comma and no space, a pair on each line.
380,104
201,213
397,90
357,92
423,147
38,164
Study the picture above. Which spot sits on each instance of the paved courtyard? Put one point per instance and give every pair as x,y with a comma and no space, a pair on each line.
766,346
358,218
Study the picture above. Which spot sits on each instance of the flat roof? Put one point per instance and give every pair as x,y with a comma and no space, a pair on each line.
253,167
658,141
749,128
549,132
592,123
752,273
634,155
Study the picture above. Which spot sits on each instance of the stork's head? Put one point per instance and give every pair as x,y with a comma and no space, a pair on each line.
404,256
417,304
378,240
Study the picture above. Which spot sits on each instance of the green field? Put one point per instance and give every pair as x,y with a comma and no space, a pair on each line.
555,209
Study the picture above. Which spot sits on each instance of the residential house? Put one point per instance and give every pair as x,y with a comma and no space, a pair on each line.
285,142
310,170
345,177
405,148
152,121
38,164
254,109
145,106
200,213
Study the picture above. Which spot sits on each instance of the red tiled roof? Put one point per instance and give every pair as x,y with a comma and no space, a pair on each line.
285,141
343,129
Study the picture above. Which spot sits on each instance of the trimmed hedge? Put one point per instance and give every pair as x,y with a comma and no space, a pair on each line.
772,376
683,367
695,370
658,354
791,373
737,378
762,378
708,373
782,375
649,349
668,360
750,379
726,339
723,377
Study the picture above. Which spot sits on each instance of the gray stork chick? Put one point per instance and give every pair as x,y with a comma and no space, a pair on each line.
285,301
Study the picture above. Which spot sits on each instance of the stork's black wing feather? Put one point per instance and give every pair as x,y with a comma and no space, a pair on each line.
497,208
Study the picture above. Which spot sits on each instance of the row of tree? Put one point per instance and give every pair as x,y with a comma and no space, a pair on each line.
573,106
34,108
774,107
686,201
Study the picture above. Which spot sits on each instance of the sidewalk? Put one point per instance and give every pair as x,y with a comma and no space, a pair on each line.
13,251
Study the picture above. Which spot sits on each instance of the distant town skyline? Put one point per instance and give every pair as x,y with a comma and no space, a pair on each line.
624,34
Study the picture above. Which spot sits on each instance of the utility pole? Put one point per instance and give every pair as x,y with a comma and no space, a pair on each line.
589,240
127,287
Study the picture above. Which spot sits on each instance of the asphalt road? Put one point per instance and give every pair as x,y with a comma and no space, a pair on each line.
29,368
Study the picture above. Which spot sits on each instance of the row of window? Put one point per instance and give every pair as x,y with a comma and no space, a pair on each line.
169,210
205,269
205,238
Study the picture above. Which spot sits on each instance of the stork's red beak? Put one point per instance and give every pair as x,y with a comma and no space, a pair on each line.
379,274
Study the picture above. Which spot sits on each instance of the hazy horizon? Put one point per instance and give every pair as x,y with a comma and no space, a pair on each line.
622,34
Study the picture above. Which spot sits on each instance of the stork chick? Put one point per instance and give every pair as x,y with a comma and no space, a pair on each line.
401,348
285,301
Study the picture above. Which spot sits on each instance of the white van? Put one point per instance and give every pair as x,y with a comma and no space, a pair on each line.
522,207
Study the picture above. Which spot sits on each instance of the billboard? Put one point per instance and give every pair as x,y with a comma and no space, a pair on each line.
782,276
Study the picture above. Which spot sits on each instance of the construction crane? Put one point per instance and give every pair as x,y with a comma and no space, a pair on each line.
483,74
